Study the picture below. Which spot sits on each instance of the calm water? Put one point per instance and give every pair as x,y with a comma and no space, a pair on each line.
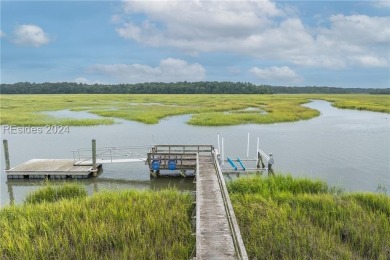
348,149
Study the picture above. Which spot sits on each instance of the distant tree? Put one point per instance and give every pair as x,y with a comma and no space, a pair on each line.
201,87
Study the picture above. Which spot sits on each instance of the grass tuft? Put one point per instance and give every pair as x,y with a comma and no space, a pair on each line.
56,193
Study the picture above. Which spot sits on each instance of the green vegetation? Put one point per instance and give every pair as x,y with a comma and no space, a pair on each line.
107,225
53,194
280,218
207,110
285,218
361,102
200,87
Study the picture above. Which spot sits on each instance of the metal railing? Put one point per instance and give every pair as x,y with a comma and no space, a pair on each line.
111,154
200,149
263,154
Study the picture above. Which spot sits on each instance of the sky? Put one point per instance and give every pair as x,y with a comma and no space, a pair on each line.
283,43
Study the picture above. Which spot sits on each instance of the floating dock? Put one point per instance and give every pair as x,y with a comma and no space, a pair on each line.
50,168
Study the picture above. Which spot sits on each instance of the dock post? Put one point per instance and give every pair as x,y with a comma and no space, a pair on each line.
94,168
222,153
6,154
219,147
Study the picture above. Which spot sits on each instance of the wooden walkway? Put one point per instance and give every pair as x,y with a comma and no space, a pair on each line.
217,232
41,168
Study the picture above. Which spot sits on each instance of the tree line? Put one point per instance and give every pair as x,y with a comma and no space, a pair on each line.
202,87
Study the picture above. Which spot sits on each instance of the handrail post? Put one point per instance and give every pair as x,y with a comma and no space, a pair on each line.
6,154
94,168
219,147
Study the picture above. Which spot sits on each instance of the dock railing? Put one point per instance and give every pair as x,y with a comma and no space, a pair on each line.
200,149
263,154
111,154
234,228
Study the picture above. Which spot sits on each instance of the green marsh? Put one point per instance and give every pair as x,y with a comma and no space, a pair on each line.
106,225
280,218
206,110
285,218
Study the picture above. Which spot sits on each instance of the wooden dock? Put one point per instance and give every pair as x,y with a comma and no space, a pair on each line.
217,233
52,168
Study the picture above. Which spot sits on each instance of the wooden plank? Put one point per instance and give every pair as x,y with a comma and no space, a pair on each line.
214,239
235,229
49,167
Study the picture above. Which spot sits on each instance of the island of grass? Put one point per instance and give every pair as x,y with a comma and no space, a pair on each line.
279,217
206,110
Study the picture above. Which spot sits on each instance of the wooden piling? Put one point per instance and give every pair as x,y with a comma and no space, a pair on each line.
94,167
6,154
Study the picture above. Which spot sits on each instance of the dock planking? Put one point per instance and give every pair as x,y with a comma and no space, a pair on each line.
214,236
49,167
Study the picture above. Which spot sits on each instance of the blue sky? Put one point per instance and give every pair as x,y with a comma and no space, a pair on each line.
291,43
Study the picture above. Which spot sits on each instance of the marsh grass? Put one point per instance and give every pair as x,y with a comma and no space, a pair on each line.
107,225
206,110
377,103
286,218
55,193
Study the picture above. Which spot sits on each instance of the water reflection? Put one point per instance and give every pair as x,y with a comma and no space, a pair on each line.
23,187
72,114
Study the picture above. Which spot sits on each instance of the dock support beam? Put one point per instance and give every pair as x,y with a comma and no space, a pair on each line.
94,168
6,154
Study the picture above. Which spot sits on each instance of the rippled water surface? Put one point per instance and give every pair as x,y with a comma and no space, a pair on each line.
347,148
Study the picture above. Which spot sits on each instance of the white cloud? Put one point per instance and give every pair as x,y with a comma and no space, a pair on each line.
277,74
197,26
87,81
359,29
30,35
2,34
261,29
370,61
356,40
169,70
381,3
